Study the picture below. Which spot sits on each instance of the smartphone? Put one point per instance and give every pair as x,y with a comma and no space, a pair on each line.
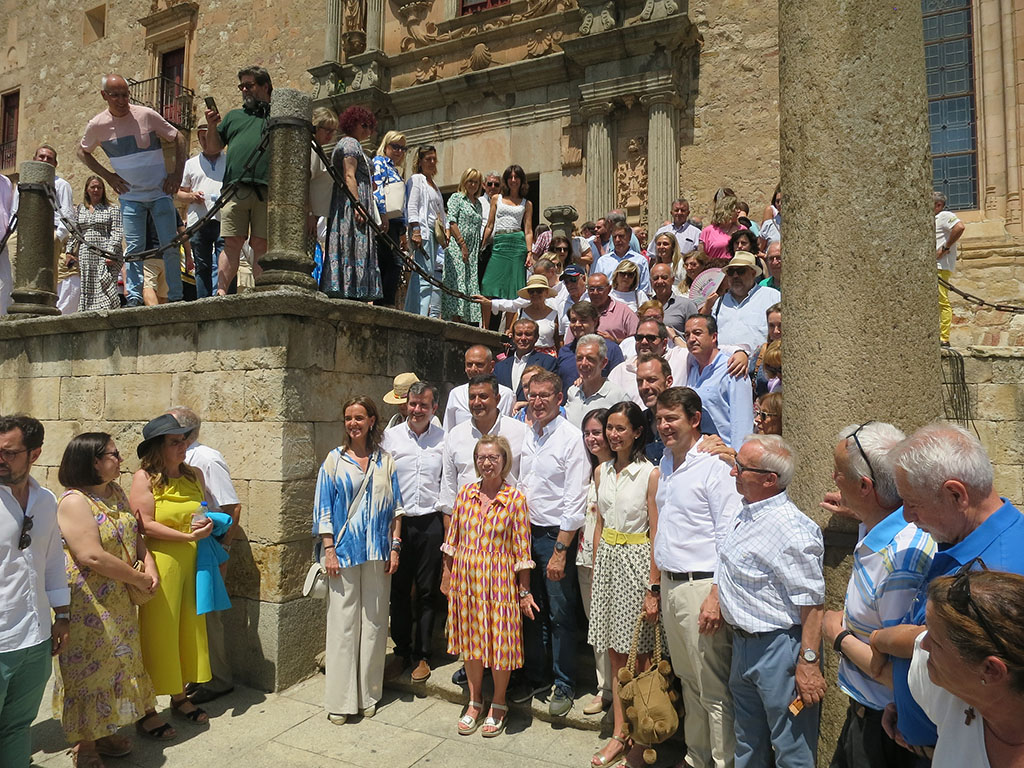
211,104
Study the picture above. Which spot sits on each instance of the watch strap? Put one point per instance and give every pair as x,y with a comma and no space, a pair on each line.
837,646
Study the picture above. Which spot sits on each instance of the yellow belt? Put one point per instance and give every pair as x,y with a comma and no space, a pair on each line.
611,536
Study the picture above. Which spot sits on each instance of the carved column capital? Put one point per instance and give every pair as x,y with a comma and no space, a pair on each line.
596,109
672,98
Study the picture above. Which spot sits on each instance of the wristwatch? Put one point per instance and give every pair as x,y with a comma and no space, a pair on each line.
809,655
655,589
524,593
396,545
837,646
65,615
560,547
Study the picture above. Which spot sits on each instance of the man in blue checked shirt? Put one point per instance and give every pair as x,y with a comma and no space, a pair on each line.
889,565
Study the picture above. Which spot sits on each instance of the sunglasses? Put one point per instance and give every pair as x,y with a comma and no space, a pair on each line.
115,454
246,86
763,414
740,468
26,526
571,279
532,291
648,337
960,598
397,147
492,183
856,440
561,249
733,271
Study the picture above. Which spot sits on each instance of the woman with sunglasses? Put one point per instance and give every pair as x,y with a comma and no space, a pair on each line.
560,251
428,232
968,668
101,683
768,414
509,222
389,170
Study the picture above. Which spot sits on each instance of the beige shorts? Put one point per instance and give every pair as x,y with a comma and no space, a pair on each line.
154,278
245,215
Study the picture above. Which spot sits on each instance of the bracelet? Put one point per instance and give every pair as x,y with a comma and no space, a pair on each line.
837,646
396,545
63,615
328,546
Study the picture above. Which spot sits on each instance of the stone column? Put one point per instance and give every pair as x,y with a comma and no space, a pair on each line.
991,87
561,218
35,279
374,24
600,165
861,310
332,31
662,155
1013,211
288,262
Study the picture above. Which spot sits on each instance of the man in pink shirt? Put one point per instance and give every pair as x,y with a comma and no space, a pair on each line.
616,320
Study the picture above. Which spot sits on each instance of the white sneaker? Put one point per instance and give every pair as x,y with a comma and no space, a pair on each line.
337,719
370,711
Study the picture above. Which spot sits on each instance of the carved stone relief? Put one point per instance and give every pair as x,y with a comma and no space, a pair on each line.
572,145
421,32
656,9
598,17
366,76
427,71
542,43
479,59
353,39
631,180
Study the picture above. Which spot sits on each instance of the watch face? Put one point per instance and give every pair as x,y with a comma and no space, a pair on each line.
810,656
560,547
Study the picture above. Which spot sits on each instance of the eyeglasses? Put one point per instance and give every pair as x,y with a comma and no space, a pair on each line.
960,598
115,454
492,183
398,147
9,456
540,396
648,337
856,440
488,459
26,526
246,86
763,414
740,468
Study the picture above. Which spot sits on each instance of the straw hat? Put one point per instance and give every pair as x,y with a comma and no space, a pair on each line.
744,259
400,391
536,281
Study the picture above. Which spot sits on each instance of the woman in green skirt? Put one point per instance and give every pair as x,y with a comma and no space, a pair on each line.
510,224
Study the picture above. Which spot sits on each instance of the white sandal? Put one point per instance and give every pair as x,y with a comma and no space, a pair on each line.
497,725
468,724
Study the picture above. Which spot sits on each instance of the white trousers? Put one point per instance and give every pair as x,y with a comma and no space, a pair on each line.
69,294
357,633
602,663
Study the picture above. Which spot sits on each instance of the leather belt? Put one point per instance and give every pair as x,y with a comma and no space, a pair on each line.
691,576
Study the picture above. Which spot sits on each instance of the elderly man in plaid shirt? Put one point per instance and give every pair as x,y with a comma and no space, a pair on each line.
772,593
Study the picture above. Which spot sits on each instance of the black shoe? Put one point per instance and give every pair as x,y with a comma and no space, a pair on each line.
205,695
459,678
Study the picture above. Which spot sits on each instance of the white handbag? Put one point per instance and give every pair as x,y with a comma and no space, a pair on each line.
394,199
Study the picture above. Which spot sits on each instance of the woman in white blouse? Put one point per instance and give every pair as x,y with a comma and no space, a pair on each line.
968,668
424,208
627,519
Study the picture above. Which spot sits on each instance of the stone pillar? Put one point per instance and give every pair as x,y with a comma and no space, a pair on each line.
288,262
662,156
993,201
332,31
1013,210
861,311
561,218
35,279
374,24
600,165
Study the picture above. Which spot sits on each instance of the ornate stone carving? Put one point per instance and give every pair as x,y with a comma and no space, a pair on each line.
479,59
427,71
598,17
656,9
420,32
353,40
326,79
631,180
572,146
366,76
542,43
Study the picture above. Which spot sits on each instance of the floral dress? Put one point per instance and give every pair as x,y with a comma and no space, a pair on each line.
489,546
461,275
350,269
100,681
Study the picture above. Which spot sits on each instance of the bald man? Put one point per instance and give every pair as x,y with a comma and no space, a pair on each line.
479,361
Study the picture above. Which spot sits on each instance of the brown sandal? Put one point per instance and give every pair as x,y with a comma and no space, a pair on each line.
82,759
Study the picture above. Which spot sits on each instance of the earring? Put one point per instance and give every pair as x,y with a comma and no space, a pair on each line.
984,681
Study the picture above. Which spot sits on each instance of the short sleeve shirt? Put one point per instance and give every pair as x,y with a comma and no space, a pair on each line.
133,145
242,130
944,223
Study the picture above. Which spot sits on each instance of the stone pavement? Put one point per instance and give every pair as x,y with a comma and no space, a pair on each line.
250,729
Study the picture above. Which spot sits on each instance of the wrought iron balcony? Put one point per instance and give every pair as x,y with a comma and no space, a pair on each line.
168,97
9,153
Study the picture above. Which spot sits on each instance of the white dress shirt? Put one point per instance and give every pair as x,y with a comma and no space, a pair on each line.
206,175
770,566
32,580
456,411
215,471
418,460
697,504
65,208
688,237
555,475
623,375
744,323
458,466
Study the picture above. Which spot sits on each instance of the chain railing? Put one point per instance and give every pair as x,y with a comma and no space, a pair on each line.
980,302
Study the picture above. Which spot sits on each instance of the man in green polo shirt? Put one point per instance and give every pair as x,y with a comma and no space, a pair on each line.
245,215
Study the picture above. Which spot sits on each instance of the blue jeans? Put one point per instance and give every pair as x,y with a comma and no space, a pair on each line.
762,683
554,628
419,298
206,247
23,676
133,218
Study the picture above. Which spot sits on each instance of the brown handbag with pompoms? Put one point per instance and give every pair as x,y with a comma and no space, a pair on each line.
649,699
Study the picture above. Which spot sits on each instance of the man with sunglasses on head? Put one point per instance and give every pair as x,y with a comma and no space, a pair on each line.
889,565
32,583
740,313
241,131
945,478
771,589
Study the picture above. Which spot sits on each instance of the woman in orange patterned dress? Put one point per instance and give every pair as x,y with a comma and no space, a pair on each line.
486,551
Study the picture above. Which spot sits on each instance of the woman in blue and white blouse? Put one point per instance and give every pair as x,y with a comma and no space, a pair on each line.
357,515
388,168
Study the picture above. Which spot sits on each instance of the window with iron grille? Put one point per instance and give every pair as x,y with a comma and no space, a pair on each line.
952,117
9,103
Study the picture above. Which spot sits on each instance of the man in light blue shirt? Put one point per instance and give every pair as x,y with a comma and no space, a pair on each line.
729,400
741,312
622,251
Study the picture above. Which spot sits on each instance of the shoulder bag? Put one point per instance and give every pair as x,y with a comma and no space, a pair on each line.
649,699
137,595
394,199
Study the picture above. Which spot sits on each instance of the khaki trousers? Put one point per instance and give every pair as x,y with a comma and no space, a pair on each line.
357,633
702,664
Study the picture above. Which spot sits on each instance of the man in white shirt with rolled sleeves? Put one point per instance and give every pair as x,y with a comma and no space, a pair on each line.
217,477
554,477
33,581
417,446
697,502
479,361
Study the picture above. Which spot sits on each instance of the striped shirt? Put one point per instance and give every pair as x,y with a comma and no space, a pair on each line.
132,143
770,566
889,565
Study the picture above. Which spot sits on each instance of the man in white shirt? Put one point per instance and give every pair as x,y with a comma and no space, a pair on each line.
948,229
217,477
479,361
32,582
772,592
729,400
7,192
486,419
200,190
741,312
417,446
554,477
621,251
594,390
697,502
651,338
687,235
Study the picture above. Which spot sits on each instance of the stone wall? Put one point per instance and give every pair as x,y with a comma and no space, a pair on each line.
995,274
268,374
